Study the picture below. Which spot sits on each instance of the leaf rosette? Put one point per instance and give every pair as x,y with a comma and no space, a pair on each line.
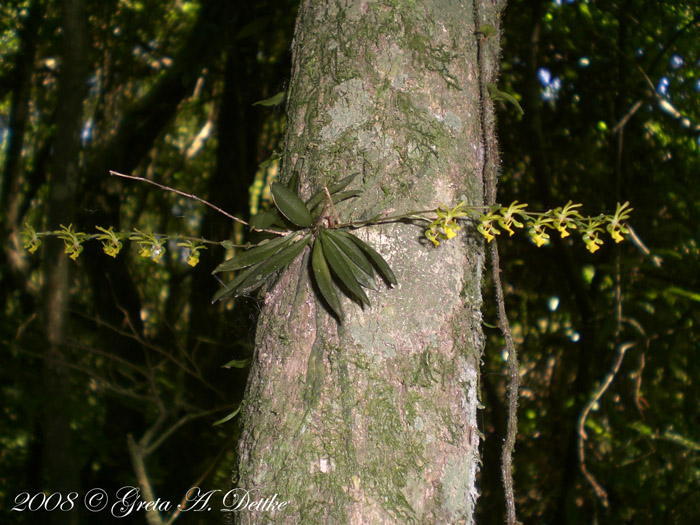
340,262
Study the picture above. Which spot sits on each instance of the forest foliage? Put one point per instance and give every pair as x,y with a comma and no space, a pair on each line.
609,342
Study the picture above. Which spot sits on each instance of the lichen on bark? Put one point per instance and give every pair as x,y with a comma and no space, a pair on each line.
374,420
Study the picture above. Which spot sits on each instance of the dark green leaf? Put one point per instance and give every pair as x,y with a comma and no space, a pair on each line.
338,197
230,288
322,276
352,251
255,276
254,255
332,189
290,205
340,264
293,183
377,259
263,220
363,277
278,261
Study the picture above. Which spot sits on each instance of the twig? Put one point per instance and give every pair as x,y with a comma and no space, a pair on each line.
136,451
157,442
582,436
188,195
183,503
330,203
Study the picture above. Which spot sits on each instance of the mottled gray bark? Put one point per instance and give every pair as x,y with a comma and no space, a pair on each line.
374,421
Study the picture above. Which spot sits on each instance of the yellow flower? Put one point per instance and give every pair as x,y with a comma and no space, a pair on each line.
111,244
592,247
74,250
540,238
593,242
111,249
563,231
616,230
450,230
193,258
31,239
488,231
432,235
157,252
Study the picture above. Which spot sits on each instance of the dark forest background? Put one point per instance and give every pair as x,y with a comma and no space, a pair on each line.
113,369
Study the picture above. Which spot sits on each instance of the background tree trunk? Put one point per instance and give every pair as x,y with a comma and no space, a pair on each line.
62,460
375,421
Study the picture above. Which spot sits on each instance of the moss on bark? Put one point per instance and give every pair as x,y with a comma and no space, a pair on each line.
375,421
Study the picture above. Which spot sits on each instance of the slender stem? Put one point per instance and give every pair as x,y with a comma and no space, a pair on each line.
188,195
513,388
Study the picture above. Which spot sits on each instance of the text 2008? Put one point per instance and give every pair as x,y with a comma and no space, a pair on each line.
56,501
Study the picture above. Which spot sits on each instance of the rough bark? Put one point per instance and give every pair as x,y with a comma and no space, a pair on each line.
374,421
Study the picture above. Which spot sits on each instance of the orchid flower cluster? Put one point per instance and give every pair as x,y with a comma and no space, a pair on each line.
443,228
561,219
151,246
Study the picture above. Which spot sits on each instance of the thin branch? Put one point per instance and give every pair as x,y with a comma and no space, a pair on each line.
582,436
183,503
152,447
513,388
167,355
102,381
625,118
136,451
188,195
109,355
489,166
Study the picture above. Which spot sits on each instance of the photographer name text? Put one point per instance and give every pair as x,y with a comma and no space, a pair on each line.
128,501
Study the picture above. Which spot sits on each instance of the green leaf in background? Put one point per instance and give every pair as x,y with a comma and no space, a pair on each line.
688,294
227,418
497,94
275,100
237,363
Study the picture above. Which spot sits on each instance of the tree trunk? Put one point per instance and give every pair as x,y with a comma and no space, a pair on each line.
374,420
61,460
